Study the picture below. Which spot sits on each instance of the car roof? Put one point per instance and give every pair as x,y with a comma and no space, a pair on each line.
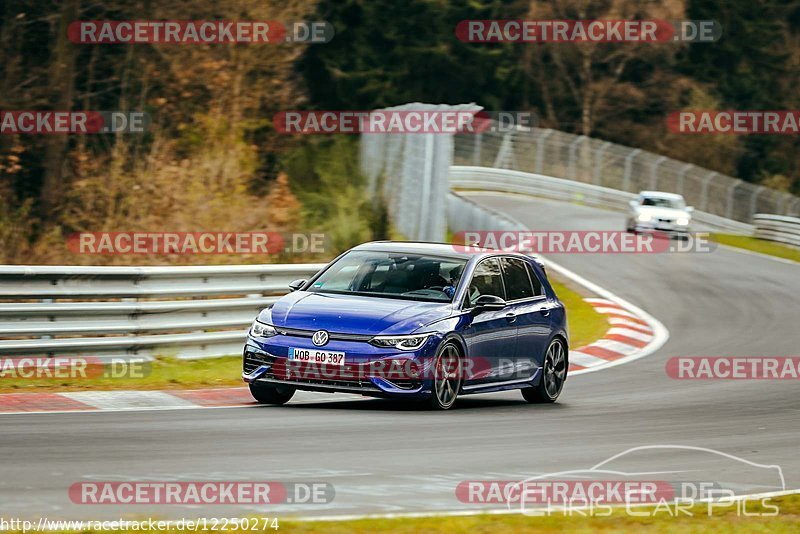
416,247
450,250
661,194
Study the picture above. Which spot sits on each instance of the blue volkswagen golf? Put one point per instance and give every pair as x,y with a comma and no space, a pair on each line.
413,320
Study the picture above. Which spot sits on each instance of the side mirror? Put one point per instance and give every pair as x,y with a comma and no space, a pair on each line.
489,302
294,285
690,209
633,204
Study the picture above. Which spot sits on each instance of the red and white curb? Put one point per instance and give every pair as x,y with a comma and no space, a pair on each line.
634,333
83,401
627,336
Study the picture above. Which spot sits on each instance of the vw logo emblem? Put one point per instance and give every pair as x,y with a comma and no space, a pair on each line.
319,338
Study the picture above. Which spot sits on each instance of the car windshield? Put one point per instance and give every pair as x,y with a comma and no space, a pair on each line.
392,275
661,202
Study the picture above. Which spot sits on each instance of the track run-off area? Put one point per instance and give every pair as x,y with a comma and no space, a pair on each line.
386,457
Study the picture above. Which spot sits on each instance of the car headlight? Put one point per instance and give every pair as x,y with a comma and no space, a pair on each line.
262,329
683,221
400,342
644,217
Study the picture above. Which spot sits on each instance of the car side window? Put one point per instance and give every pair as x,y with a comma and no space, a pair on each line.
516,278
537,284
486,280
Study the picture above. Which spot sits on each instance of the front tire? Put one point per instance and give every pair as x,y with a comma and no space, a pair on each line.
554,373
268,394
447,377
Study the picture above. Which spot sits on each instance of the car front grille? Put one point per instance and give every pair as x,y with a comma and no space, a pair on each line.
333,336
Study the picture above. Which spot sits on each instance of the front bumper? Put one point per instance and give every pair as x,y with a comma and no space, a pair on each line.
668,228
265,360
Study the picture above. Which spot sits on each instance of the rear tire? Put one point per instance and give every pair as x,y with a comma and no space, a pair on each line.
554,373
268,394
447,377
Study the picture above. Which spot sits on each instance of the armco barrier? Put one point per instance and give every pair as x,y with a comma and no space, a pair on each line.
184,312
509,181
778,228
144,312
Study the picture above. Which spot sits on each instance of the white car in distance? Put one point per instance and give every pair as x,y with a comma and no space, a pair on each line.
657,211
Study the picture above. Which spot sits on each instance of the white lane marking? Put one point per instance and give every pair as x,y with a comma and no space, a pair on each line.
584,360
760,254
127,400
627,332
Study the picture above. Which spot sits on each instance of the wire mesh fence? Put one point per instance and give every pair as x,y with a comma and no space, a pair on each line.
409,172
597,162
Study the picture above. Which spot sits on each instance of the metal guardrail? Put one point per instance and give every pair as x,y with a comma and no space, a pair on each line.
510,181
48,310
778,228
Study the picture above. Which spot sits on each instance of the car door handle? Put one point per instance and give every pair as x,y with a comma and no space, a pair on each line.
545,311
510,317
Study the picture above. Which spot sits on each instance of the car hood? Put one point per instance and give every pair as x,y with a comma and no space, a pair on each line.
655,211
353,314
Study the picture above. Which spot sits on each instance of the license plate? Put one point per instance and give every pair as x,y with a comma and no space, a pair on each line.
663,226
316,356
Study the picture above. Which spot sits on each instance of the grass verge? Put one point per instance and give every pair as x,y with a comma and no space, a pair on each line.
585,326
166,373
758,245
659,519
663,518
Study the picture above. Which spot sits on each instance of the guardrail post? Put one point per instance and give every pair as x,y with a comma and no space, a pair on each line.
731,199
754,199
540,151
506,152
782,204
626,183
704,193
573,146
477,149
797,206
598,161
654,172
681,176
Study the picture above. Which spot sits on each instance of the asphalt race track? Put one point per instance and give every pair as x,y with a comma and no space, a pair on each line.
386,457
